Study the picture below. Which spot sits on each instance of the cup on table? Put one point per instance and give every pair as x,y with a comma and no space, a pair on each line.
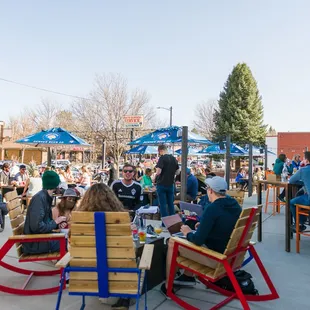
142,235
158,230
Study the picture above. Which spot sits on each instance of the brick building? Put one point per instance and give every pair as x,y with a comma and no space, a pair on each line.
291,143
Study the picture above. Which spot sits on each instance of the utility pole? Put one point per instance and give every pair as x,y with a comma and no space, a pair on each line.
184,162
250,188
170,109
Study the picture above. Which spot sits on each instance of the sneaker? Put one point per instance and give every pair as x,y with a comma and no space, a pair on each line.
184,280
163,290
301,228
281,198
122,304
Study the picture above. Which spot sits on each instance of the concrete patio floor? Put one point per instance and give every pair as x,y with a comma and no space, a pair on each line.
289,272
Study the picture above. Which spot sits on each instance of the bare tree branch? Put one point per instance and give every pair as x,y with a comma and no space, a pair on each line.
204,118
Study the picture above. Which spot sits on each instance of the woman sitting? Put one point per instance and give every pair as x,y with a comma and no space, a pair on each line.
146,181
240,179
33,185
85,179
68,175
67,203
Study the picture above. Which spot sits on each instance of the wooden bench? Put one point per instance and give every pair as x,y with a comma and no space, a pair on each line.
227,263
102,257
17,223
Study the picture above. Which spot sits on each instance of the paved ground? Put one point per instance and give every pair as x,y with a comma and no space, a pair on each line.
290,273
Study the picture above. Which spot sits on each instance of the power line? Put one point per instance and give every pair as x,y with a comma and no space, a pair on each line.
43,89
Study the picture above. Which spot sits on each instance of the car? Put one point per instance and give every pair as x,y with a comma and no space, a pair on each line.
57,163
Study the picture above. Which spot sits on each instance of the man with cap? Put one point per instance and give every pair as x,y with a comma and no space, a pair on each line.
217,223
39,218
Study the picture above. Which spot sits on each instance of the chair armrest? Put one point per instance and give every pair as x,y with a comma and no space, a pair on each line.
64,261
146,258
37,236
200,249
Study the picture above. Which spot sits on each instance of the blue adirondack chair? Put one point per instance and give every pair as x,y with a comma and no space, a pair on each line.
102,258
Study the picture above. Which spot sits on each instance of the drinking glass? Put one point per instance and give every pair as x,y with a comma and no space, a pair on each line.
158,229
142,235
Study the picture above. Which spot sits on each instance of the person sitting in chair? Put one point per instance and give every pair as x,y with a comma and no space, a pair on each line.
39,218
217,223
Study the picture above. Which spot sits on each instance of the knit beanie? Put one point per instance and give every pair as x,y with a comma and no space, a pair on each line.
50,179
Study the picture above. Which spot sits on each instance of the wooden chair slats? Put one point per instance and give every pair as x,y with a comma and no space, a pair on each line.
238,195
112,263
123,287
112,241
10,195
111,229
111,217
13,204
19,230
91,276
15,213
87,252
17,221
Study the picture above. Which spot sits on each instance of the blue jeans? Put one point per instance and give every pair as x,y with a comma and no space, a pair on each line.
166,197
300,200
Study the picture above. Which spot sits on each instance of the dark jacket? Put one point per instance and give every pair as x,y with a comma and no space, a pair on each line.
216,225
39,220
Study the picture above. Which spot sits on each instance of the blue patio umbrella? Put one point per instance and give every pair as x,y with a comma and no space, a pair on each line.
191,152
143,149
53,137
235,150
171,134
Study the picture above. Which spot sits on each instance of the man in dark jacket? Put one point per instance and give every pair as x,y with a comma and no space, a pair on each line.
214,230
39,218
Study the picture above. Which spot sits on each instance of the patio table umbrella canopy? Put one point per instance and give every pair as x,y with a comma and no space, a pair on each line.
171,134
235,150
53,137
143,149
191,152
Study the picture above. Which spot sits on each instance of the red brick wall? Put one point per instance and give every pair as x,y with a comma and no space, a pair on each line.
291,143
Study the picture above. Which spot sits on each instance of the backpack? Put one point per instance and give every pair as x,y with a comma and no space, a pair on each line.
245,281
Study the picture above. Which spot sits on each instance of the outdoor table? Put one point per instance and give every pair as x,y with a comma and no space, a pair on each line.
288,217
156,274
150,193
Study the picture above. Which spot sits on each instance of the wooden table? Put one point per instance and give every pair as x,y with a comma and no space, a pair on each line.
150,193
288,217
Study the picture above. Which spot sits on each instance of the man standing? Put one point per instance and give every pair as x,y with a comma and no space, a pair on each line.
166,169
128,191
301,177
39,219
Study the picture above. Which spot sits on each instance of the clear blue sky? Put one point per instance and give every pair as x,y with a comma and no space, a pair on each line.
180,51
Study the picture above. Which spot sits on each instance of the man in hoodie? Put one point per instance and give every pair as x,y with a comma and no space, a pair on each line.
301,177
213,231
278,168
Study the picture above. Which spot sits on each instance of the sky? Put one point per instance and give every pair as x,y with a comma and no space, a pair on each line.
181,52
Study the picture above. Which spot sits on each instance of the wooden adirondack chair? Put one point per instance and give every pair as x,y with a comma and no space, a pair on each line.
238,195
102,257
228,262
17,223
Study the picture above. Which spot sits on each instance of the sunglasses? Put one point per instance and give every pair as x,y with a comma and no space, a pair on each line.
127,171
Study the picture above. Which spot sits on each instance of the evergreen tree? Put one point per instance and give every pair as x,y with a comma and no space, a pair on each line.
240,111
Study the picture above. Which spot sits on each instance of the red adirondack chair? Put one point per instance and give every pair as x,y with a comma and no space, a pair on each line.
17,223
231,260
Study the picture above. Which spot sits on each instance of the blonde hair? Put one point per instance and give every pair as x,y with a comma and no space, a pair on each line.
99,197
35,174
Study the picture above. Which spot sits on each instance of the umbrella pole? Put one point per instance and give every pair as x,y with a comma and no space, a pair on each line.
184,163
49,157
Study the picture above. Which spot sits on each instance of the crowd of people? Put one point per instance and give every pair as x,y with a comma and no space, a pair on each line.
213,230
